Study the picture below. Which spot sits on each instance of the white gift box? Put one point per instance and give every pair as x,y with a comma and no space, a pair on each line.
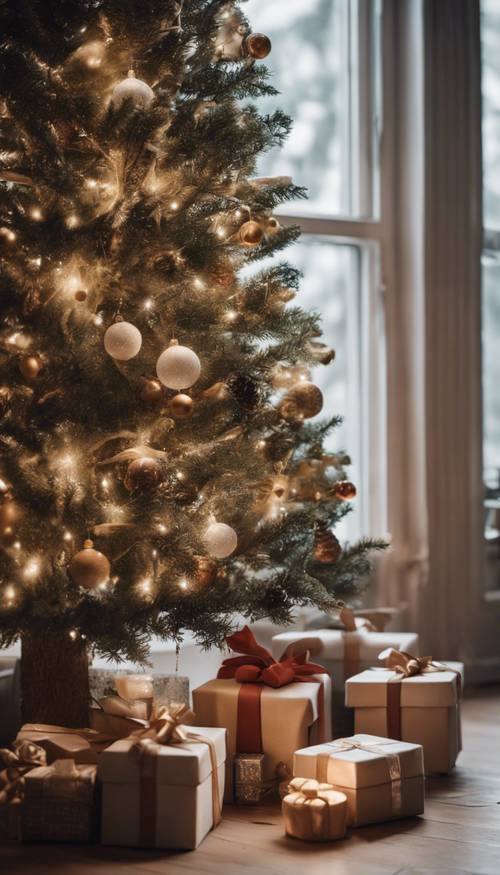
382,779
423,709
343,654
289,718
161,798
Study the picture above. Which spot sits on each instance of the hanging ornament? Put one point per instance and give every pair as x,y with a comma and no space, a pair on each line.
89,568
30,366
206,571
220,540
122,341
286,376
257,45
321,352
80,295
301,402
178,367
345,490
144,474
181,406
150,390
326,547
250,233
272,225
217,392
10,596
134,90
10,515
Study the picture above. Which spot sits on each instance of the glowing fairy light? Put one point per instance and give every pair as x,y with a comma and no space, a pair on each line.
72,221
32,569
174,205
73,634
198,283
67,461
9,595
162,529
105,483
8,234
16,545
67,536
154,554
73,282
238,214
261,444
221,232
180,475
36,214
97,320
148,304
91,183
231,315
183,584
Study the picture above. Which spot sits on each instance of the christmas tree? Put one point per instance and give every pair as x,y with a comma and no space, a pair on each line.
159,472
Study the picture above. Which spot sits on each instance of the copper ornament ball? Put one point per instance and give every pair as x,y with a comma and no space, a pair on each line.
144,474
345,490
150,390
30,367
258,45
80,295
251,233
89,568
181,406
326,549
10,515
302,402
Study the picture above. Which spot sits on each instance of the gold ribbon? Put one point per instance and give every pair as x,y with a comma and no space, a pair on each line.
167,726
407,665
305,818
393,762
17,762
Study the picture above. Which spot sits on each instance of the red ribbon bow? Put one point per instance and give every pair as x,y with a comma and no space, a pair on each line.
256,668
257,665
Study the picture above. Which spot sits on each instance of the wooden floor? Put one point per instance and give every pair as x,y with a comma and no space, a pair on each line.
460,832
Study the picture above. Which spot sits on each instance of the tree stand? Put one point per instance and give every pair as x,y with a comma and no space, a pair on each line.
54,679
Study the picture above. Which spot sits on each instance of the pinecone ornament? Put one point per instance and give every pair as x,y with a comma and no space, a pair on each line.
245,390
326,549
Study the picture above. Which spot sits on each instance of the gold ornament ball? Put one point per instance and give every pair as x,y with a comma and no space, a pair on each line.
251,233
181,406
206,571
326,549
150,390
258,45
10,515
144,474
89,568
302,402
30,367
345,490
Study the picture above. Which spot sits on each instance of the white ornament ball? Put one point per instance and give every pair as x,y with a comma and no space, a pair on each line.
220,540
122,341
135,90
178,367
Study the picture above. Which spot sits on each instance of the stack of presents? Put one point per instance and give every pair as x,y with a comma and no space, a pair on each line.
342,723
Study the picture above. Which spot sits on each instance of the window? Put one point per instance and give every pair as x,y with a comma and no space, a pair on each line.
326,64
490,33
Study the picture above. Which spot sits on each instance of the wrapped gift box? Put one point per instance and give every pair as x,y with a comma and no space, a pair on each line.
343,654
314,812
167,688
82,746
423,709
59,803
163,795
289,719
383,779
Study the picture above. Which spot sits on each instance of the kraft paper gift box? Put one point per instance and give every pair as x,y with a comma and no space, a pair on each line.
383,779
343,654
81,745
273,720
162,795
423,709
59,803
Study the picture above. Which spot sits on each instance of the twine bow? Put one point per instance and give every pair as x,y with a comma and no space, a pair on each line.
257,666
308,810
24,756
166,726
392,759
407,665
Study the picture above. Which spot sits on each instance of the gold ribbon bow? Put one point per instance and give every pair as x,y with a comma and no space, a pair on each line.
392,759
408,666
24,756
167,726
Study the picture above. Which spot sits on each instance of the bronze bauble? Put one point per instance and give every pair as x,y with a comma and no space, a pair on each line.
10,515
345,490
80,295
144,474
30,367
181,406
206,571
150,390
326,548
89,568
301,402
251,233
257,45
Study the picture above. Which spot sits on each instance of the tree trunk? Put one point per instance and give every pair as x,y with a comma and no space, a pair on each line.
54,679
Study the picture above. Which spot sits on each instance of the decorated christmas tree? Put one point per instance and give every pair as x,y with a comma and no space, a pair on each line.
159,469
